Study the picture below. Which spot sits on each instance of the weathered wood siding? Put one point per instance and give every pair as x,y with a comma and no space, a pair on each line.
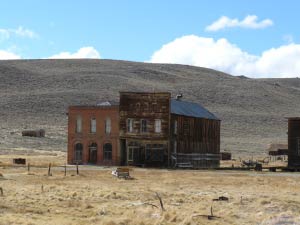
198,137
148,106
148,148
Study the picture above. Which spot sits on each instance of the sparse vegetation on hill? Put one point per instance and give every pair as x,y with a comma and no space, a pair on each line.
35,94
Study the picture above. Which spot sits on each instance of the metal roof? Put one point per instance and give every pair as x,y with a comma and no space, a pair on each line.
191,109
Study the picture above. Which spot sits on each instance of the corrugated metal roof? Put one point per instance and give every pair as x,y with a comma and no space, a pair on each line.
191,109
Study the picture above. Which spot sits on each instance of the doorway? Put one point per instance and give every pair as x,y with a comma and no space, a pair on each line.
93,153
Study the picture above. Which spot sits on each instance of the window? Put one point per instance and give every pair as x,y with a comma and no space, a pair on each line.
107,150
157,126
154,107
129,125
130,154
93,125
78,124
143,126
154,152
175,126
107,126
78,152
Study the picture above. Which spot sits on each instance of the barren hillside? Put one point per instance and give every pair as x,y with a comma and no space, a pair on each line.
36,94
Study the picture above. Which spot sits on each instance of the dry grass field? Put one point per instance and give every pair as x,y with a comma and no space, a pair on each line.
96,197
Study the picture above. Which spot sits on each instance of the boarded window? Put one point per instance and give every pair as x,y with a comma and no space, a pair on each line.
107,126
93,125
78,124
78,149
143,126
107,150
157,126
129,125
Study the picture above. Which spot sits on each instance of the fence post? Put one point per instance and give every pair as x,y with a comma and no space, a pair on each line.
49,170
28,167
65,170
77,170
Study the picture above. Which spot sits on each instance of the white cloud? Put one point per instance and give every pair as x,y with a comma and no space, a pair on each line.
222,55
8,55
84,52
23,32
249,21
18,32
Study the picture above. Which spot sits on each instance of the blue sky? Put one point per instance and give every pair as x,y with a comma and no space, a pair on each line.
137,31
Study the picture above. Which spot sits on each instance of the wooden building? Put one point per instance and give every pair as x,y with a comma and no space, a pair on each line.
156,130
93,134
294,142
144,128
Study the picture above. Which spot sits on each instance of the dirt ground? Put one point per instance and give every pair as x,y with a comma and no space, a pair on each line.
96,197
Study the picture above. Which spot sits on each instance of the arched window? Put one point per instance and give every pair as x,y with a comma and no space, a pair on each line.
107,151
93,125
107,126
78,124
93,153
78,149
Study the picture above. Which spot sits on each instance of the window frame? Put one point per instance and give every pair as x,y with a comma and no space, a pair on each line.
106,152
78,151
93,125
130,153
129,125
107,125
143,127
78,126
157,125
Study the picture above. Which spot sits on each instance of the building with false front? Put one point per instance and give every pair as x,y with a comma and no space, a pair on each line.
156,130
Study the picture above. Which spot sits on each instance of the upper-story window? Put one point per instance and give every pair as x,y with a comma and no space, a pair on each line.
175,126
154,107
78,124
130,125
93,125
107,126
157,126
144,126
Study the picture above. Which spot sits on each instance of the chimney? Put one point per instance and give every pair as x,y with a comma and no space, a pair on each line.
179,97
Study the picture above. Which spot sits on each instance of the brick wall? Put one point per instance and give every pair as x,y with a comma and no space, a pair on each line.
86,138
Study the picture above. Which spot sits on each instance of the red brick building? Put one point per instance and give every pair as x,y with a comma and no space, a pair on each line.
93,134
